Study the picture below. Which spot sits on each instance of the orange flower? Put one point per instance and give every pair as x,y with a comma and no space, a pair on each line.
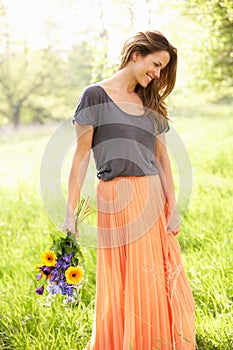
74,274
49,258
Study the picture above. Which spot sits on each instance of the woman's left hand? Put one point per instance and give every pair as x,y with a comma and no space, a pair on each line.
173,222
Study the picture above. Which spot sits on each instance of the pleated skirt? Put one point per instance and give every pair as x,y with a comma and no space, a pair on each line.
143,298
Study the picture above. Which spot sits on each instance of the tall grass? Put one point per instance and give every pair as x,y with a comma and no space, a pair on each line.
206,240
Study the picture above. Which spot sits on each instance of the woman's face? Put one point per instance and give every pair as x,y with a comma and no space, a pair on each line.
147,68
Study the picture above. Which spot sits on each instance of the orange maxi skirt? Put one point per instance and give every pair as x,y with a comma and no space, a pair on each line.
143,298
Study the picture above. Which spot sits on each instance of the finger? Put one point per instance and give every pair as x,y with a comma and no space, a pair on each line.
174,231
71,230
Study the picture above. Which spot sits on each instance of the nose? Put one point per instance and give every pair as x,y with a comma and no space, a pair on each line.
157,73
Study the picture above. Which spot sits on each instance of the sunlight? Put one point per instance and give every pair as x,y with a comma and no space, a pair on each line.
27,20
33,21
38,21
62,24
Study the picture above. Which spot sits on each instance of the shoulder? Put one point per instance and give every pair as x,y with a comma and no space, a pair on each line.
92,89
94,94
86,112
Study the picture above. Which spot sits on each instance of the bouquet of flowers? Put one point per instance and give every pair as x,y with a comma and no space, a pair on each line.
61,267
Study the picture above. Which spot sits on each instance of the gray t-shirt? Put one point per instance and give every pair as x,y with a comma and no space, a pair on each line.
123,144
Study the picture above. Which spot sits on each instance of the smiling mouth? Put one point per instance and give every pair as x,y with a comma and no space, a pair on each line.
149,77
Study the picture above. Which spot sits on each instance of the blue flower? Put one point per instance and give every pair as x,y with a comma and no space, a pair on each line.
59,263
69,299
69,291
66,290
55,275
53,289
61,284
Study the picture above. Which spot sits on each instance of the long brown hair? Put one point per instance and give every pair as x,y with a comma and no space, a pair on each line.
154,94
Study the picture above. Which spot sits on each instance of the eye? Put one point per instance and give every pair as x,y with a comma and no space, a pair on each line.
156,64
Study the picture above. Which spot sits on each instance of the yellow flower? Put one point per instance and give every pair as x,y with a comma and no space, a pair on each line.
37,267
74,274
48,258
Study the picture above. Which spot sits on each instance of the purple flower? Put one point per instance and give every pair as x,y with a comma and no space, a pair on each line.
67,257
38,276
62,264
62,285
55,275
47,269
59,263
40,290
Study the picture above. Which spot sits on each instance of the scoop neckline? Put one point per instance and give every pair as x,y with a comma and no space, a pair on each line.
115,104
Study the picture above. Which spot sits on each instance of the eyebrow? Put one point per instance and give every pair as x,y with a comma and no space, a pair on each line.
161,64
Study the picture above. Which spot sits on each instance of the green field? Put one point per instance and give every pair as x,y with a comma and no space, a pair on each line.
206,239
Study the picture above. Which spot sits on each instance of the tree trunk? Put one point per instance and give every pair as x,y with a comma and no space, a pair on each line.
16,115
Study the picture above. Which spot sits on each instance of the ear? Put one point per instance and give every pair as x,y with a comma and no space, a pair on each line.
135,55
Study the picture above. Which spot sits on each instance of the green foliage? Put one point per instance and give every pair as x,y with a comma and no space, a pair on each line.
67,244
37,84
213,66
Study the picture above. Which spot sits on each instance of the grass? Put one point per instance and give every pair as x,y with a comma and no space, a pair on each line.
206,240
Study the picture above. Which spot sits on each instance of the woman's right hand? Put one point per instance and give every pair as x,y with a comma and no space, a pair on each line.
69,224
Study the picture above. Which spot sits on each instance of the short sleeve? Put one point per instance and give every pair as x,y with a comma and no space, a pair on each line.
86,110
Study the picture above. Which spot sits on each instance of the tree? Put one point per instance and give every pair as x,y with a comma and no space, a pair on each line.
23,72
215,19
39,83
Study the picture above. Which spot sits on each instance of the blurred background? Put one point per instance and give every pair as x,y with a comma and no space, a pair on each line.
50,50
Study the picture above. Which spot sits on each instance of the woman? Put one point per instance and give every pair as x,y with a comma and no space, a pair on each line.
143,298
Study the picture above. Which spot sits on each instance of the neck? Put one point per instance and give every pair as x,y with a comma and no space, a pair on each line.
122,81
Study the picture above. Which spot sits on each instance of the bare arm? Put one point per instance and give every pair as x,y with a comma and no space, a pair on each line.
77,173
165,172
